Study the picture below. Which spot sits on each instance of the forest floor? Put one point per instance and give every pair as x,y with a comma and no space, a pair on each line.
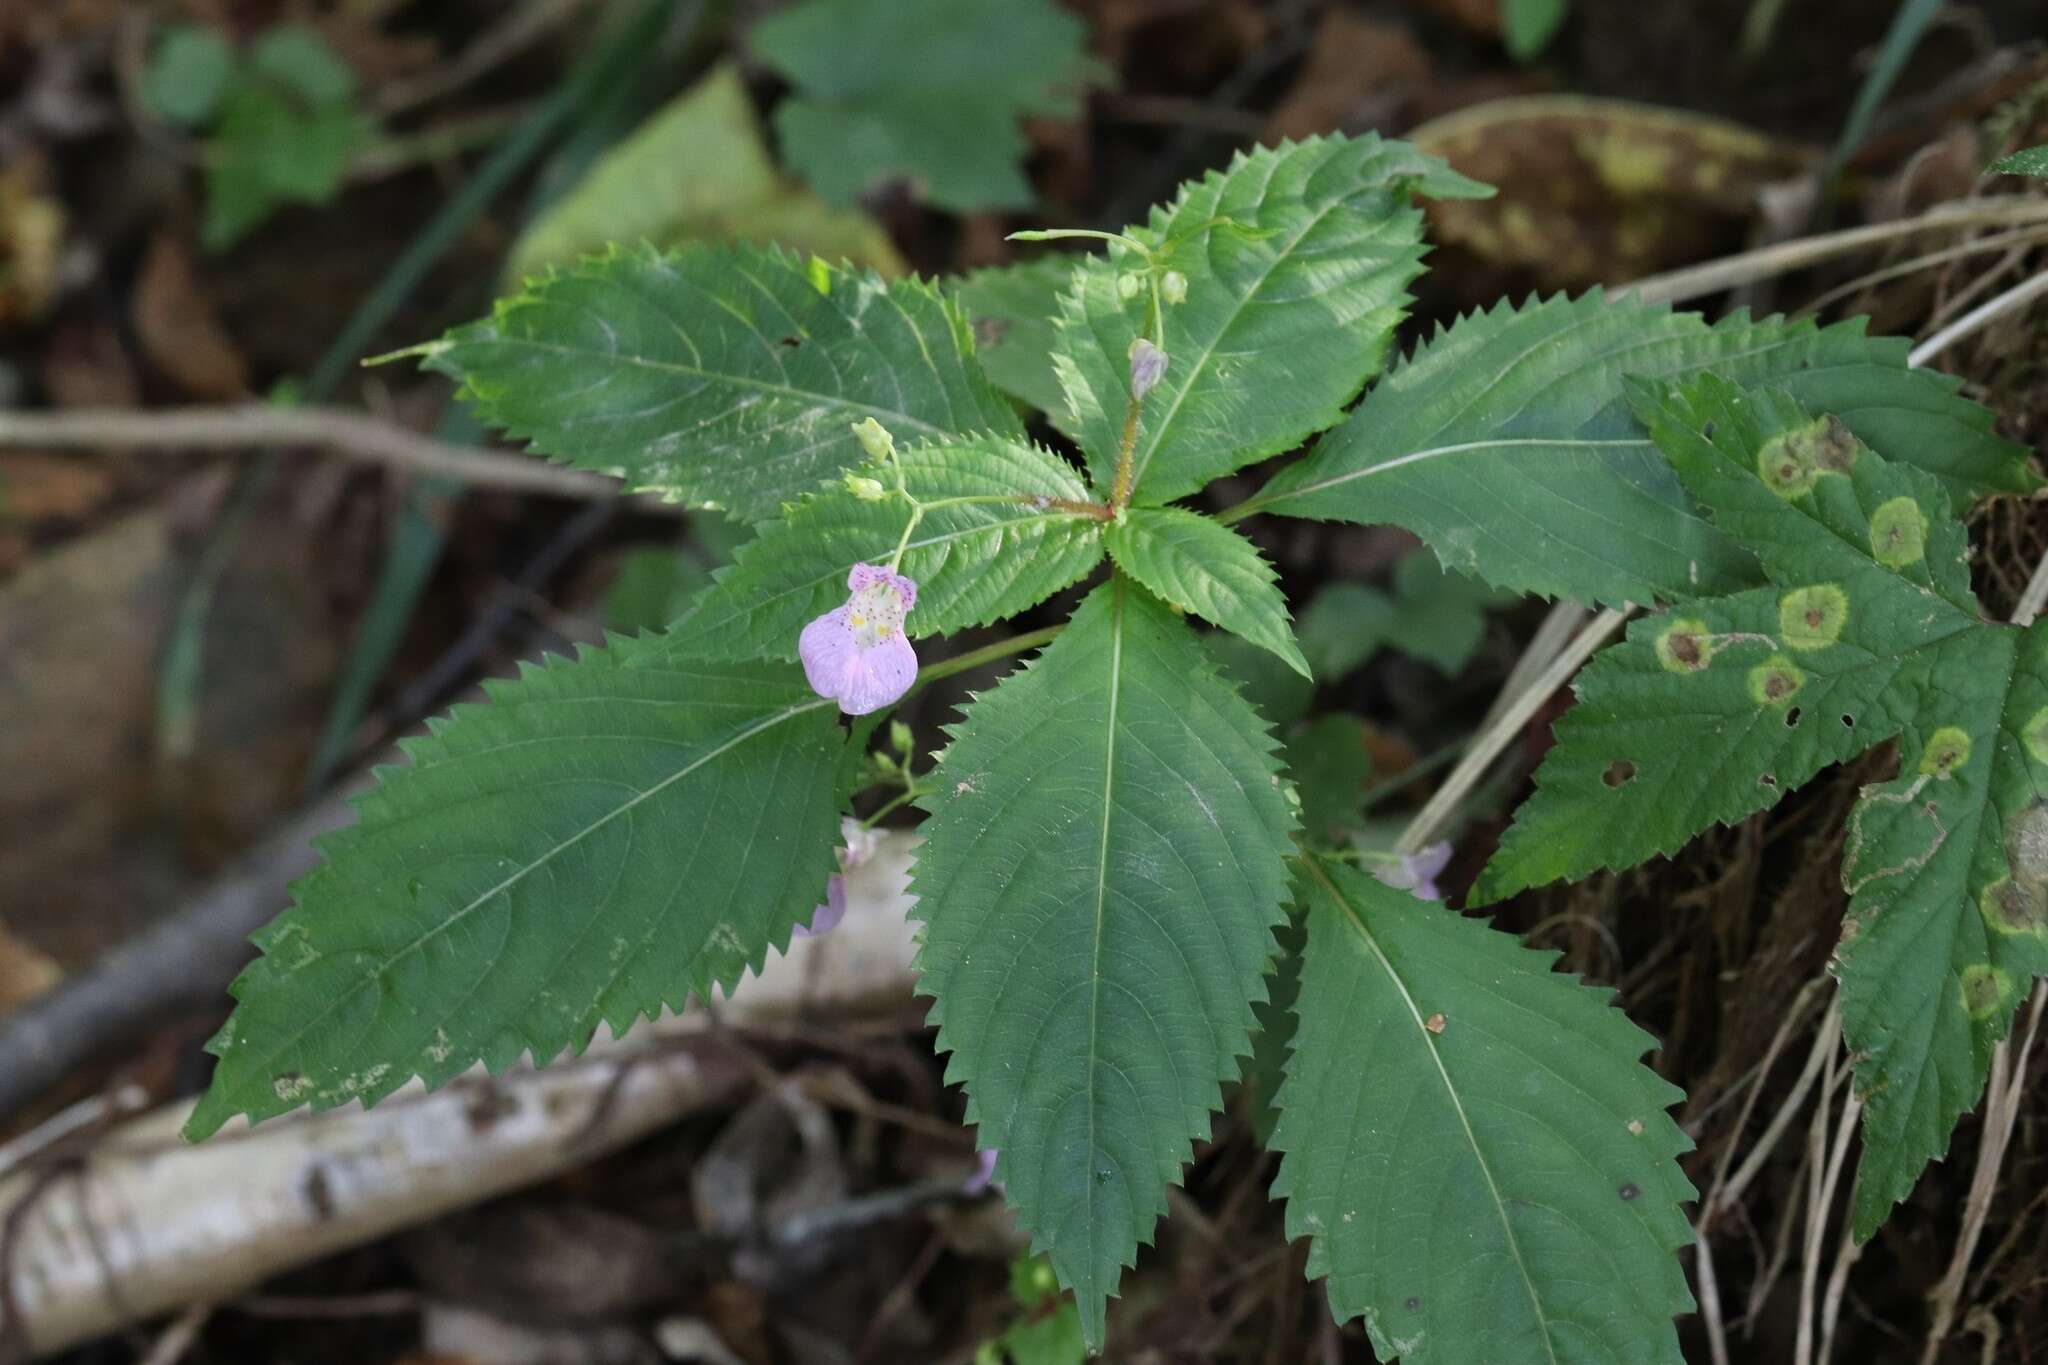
198,642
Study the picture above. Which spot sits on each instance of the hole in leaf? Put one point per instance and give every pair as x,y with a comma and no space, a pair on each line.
1708,431
1629,1193
1412,1304
1618,773
1791,718
1767,780
792,341
1848,722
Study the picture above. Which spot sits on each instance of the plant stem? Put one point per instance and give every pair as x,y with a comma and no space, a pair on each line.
975,658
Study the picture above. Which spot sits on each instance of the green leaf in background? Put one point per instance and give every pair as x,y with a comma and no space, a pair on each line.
1483,1167
720,375
928,90
1297,259
2032,161
1276,691
973,562
187,74
1527,26
697,168
1718,708
597,843
1330,765
1011,308
1210,570
1102,872
300,60
287,128
1436,616
1506,442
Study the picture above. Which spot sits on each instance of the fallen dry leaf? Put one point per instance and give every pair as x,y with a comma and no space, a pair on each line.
24,972
1358,73
179,327
36,488
1594,190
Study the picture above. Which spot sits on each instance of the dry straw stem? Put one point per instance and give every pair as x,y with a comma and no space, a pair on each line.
253,425
1764,263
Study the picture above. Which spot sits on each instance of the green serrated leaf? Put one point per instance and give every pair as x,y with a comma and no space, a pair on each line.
1011,309
1330,764
1207,569
1103,869
928,90
697,167
188,72
595,844
720,375
1506,442
1718,708
1483,1166
973,562
2030,161
1298,259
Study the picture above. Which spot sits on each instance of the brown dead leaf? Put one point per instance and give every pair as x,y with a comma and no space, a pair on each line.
179,327
1595,190
1358,73
36,489
31,241
24,972
86,366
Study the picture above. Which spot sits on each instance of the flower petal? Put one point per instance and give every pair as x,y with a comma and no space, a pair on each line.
879,676
826,917
830,653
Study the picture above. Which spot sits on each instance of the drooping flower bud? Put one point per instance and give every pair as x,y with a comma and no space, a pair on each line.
1173,287
864,488
1148,367
875,439
1128,284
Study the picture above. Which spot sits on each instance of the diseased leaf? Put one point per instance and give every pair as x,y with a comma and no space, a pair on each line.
973,562
1718,708
928,90
1103,869
1484,1168
1297,259
1506,442
720,375
598,842
1011,309
1207,569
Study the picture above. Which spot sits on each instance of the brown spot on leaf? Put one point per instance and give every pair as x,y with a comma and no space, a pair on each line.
1619,773
1435,1023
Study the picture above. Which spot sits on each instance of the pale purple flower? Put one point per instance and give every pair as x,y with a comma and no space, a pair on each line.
1417,872
984,1172
858,654
1148,367
861,843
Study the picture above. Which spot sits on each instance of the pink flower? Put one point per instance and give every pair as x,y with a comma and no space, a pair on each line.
984,1172
1417,872
858,654
861,843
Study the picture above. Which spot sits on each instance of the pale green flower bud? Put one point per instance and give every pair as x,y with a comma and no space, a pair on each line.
899,737
875,439
1173,287
866,489
1127,286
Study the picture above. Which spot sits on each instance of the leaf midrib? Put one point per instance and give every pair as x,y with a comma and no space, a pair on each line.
1116,663
785,714
1372,946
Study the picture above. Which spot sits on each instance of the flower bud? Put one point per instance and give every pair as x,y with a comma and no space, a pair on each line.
1148,367
1173,287
1127,286
899,737
875,439
864,488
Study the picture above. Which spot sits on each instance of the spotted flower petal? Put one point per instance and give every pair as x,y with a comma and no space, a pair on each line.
858,654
